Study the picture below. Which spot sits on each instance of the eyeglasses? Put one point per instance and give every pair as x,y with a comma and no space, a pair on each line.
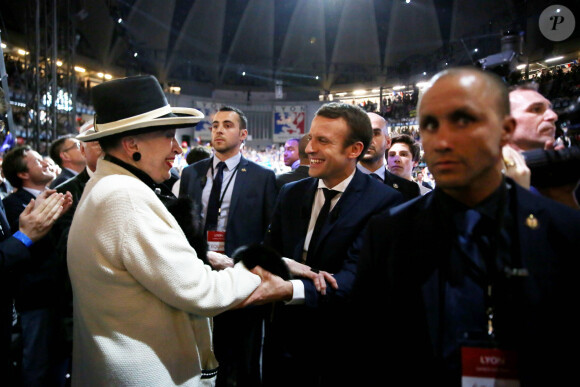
76,145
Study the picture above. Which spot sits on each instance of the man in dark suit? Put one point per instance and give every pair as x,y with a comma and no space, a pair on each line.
304,342
35,221
536,129
236,214
301,172
421,181
373,161
291,154
501,281
66,152
91,151
36,286
404,155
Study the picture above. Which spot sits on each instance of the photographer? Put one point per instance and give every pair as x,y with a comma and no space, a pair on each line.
535,130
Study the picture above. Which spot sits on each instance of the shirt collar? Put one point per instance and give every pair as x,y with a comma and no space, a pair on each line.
340,187
487,207
33,192
380,172
71,171
230,163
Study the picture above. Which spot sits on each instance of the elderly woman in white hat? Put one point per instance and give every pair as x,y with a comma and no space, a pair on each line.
143,301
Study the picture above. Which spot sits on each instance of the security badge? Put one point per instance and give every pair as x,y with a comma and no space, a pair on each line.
216,241
488,367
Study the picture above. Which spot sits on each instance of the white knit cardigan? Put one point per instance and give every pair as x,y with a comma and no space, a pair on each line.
143,301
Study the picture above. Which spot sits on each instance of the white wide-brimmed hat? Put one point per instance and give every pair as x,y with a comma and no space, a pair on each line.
135,104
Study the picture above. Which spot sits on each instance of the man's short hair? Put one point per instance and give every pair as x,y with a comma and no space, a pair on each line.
241,115
302,144
533,86
410,141
197,153
357,121
56,148
15,163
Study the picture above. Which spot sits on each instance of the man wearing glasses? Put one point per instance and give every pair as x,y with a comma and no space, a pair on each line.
66,153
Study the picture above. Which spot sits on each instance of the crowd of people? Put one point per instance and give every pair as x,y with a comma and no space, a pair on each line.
131,262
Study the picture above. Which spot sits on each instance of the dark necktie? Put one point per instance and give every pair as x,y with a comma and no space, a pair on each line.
322,215
214,198
471,243
374,175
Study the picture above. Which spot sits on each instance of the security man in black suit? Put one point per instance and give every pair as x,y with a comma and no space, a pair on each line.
499,289
373,162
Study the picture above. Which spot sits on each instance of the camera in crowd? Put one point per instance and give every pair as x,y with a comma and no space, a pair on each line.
554,168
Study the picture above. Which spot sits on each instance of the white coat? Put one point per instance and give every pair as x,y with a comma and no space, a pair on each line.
143,301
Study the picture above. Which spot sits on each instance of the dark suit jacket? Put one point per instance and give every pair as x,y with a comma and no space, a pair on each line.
295,328
59,237
13,253
36,284
396,273
64,176
238,333
253,199
75,186
409,189
297,174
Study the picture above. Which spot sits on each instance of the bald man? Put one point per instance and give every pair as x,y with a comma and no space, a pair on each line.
500,284
373,162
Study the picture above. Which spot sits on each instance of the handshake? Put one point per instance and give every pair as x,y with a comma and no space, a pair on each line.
275,272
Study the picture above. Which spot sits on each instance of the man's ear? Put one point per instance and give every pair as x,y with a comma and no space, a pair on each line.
507,129
355,150
23,175
243,134
64,156
388,139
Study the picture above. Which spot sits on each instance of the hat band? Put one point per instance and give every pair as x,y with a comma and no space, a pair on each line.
145,117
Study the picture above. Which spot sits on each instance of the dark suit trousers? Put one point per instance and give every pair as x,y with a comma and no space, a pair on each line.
238,347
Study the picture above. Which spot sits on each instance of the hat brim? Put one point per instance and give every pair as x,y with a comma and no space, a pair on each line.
179,118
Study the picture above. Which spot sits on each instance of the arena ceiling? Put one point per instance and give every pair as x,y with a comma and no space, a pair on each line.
306,44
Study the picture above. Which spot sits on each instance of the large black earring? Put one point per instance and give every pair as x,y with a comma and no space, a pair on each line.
136,156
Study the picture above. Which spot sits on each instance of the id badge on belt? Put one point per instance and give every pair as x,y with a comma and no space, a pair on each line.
216,241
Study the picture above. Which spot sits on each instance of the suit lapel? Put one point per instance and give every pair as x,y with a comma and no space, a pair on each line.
530,224
343,207
197,185
4,226
242,180
345,204
432,253
304,216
